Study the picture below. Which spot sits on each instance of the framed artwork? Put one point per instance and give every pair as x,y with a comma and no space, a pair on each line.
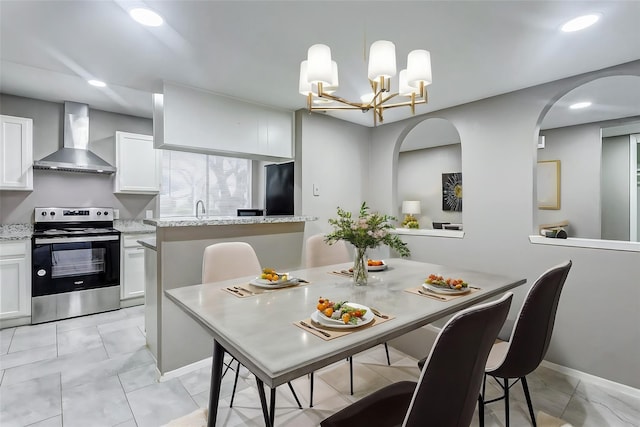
452,192
548,184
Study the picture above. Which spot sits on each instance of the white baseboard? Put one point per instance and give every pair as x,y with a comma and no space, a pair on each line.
184,369
592,379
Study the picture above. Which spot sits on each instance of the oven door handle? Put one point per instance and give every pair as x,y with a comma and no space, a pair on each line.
77,239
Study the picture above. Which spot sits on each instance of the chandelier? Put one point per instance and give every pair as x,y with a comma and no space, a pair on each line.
319,80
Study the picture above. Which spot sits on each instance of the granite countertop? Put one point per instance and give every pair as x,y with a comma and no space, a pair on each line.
190,221
132,226
15,231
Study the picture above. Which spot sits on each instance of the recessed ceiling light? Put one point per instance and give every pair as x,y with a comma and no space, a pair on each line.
97,83
580,23
146,17
579,105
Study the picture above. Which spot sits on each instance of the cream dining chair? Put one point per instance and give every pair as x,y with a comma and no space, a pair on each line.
229,260
319,253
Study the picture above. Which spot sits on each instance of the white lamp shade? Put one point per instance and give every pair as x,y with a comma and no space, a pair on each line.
319,67
304,87
403,86
333,86
411,207
382,60
419,68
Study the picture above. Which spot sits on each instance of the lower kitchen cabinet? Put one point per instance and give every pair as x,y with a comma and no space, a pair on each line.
15,279
132,267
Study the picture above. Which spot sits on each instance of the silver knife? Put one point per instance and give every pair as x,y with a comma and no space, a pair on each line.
244,290
306,325
432,295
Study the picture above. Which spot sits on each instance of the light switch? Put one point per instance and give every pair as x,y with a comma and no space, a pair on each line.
316,190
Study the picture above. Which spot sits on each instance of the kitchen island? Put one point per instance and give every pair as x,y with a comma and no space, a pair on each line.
176,339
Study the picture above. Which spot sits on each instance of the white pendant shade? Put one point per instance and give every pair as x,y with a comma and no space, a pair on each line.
382,60
419,68
403,86
333,86
304,87
319,67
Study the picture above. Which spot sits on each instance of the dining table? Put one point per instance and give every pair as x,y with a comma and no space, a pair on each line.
261,327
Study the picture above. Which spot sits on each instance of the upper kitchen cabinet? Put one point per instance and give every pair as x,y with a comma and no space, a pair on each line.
193,120
16,153
138,164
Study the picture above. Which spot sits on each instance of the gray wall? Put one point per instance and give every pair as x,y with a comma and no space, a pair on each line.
596,330
420,178
615,188
69,188
579,150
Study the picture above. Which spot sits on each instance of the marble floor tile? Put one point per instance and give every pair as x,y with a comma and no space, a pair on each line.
157,404
128,423
49,422
139,377
67,363
5,339
100,403
11,360
126,323
80,339
104,368
91,320
30,401
365,380
29,337
592,405
124,340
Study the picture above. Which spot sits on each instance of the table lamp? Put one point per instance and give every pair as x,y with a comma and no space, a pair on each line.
409,208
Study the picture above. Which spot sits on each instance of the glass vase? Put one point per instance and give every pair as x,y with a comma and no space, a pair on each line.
360,272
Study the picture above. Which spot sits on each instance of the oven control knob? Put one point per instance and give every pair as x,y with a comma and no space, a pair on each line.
52,213
99,213
43,214
41,272
106,213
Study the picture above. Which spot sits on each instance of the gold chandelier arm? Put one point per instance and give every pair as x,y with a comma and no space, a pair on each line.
355,105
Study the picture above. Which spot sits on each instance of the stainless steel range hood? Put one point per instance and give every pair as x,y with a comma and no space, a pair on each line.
75,155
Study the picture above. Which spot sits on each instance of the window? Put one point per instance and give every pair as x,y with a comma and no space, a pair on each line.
222,183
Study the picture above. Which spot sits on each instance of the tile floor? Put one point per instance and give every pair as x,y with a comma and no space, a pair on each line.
96,371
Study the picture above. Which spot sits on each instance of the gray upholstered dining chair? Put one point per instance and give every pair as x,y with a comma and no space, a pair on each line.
529,338
319,253
228,260
449,384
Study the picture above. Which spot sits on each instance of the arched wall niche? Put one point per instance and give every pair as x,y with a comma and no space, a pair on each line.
597,153
424,152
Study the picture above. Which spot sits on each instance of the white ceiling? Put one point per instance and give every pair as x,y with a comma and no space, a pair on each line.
252,49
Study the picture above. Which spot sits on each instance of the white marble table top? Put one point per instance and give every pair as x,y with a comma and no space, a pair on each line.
259,330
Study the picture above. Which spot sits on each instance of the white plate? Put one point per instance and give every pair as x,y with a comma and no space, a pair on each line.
320,318
267,284
445,291
377,267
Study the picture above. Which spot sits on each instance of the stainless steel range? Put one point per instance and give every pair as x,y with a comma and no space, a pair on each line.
75,263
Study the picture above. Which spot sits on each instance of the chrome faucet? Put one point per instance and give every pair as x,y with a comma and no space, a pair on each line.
198,203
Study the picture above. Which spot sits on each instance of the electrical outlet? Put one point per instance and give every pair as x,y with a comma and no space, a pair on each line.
116,214
148,213
316,190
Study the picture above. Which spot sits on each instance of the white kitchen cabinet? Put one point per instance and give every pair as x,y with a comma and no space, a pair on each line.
137,163
15,279
195,120
132,266
16,153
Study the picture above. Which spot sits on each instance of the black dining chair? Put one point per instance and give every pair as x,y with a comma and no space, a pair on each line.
529,339
229,260
449,384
